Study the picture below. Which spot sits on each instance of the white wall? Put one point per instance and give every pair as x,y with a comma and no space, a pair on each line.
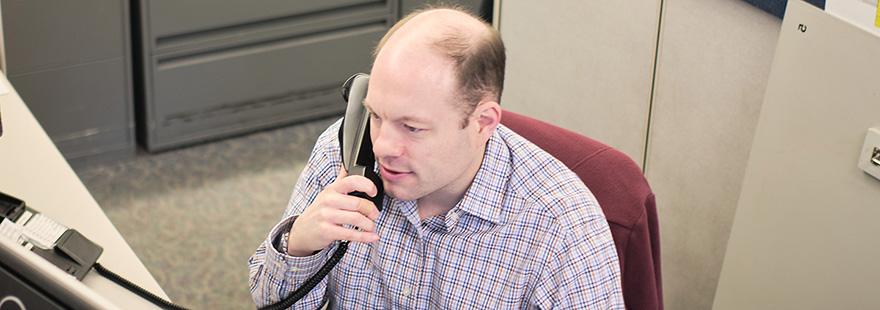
589,66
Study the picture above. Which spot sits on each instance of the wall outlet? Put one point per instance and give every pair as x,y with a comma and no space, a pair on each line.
869,160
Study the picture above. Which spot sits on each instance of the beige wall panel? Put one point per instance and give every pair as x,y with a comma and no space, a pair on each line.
583,65
805,235
714,59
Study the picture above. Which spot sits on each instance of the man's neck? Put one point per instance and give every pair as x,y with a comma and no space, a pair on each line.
441,201
444,199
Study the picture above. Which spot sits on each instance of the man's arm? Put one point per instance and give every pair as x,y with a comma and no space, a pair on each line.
273,273
583,272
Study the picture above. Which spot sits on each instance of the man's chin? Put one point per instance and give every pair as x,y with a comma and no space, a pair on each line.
398,193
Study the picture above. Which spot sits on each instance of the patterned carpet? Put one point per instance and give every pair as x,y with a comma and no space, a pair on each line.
195,215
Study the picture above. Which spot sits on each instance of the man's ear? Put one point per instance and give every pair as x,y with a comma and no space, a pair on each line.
488,116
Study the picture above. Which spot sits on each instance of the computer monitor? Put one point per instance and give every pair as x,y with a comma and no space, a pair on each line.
27,281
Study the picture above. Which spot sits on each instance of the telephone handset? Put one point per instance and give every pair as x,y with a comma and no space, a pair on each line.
354,136
357,159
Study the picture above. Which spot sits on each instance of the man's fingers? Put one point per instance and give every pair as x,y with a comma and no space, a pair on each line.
355,219
352,203
355,183
368,209
342,233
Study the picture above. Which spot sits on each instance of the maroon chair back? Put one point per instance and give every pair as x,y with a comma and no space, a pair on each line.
624,195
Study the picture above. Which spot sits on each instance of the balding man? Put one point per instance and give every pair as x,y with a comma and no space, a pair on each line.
474,216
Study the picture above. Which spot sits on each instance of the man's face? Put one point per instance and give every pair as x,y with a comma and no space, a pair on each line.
415,125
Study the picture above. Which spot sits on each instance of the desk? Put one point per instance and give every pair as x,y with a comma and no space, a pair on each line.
32,169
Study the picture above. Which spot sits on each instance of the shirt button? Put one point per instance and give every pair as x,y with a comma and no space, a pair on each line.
406,292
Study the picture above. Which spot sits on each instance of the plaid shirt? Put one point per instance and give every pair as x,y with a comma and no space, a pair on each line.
527,234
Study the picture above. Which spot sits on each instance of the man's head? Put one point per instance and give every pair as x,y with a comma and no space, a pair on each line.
433,97
474,47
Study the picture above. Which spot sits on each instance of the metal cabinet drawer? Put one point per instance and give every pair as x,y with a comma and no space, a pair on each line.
207,77
191,95
174,17
44,35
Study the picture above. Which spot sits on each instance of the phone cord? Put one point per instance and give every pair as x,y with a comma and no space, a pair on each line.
313,281
158,301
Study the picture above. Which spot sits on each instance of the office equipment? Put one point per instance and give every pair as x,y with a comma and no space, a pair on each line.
34,170
30,282
805,231
354,137
64,247
357,159
869,159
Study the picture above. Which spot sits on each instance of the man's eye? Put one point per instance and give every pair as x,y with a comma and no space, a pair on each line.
411,128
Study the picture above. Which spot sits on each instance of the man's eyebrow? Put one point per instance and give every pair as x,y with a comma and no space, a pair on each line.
413,119
402,119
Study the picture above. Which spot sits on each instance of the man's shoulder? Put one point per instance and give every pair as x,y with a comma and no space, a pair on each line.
544,182
326,157
329,139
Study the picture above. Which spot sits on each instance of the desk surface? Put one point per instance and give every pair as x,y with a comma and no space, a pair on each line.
32,169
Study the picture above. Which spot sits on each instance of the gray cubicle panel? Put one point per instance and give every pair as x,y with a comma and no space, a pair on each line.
69,61
240,67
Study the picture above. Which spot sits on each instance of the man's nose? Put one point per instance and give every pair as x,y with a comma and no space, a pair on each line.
385,142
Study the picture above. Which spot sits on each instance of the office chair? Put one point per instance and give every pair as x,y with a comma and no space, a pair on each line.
625,198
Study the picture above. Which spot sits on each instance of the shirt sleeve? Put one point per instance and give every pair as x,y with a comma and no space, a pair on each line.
583,273
273,273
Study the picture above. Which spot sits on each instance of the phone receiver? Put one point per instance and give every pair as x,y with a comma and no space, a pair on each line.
357,159
354,137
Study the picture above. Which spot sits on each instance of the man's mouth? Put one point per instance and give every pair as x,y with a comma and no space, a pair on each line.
391,174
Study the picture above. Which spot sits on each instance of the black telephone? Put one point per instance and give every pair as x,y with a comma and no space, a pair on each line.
354,136
62,246
357,159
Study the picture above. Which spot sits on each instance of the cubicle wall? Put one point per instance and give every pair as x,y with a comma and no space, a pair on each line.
805,235
713,61
584,65
590,67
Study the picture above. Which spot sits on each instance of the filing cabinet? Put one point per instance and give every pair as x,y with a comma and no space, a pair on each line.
70,63
209,68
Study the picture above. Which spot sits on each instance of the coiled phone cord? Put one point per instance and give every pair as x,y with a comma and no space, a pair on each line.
285,303
158,301
313,281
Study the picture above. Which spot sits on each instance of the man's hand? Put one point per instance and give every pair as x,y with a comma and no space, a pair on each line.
321,223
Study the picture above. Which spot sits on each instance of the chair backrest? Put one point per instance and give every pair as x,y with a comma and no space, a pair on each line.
624,195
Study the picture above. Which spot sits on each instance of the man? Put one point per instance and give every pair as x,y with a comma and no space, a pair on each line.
475,216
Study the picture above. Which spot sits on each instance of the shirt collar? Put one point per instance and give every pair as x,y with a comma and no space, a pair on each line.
485,197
